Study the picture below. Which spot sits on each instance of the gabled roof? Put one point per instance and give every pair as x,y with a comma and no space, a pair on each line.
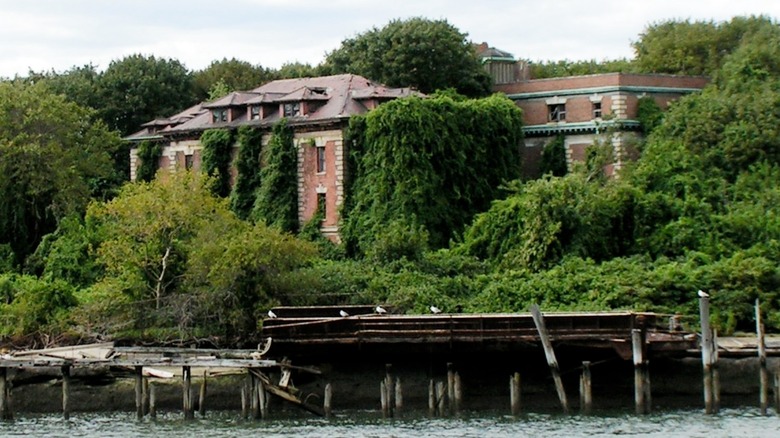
235,98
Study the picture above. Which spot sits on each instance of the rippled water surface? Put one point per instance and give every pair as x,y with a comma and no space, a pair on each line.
740,422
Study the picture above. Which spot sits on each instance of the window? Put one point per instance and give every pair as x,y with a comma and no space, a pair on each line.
322,209
320,159
254,112
596,110
292,109
188,161
219,115
557,112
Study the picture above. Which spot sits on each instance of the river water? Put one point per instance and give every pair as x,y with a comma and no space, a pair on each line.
732,422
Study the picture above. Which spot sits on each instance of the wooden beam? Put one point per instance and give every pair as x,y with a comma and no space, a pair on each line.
550,355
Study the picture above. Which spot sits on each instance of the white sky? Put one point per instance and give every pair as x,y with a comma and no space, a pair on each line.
59,34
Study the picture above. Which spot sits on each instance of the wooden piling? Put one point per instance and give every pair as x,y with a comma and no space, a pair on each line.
450,387
399,396
5,405
431,399
328,399
139,392
202,396
514,393
763,373
586,394
441,397
65,391
253,400
383,402
637,345
145,396
715,373
458,393
262,399
550,355
152,400
186,374
244,401
389,388
777,392
706,353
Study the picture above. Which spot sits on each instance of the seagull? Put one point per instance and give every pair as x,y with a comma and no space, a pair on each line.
343,314
271,314
703,294
380,310
435,309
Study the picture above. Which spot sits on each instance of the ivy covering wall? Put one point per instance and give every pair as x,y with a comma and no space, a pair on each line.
277,197
430,165
149,153
250,145
217,148
554,157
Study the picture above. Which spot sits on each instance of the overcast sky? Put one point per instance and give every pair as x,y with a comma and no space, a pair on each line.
59,34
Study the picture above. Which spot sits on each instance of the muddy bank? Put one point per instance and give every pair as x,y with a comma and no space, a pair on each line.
675,383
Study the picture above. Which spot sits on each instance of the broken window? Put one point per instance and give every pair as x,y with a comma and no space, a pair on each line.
219,115
322,205
557,112
292,109
320,159
254,112
596,110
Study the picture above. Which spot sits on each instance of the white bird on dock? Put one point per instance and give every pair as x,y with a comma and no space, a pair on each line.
435,309
271,314
703,294
343,314
380,310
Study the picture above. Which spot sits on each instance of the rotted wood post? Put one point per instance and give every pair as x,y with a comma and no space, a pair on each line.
139,392
65,391
202,396
640,392
5,406
398,397
186,375
706,353
327,400
145,396
586,393
763,373
389,388
383,399
441,397
715,373
777,392
514,393
458,393
550,355
450,387
254,405
431,398
262,399
152,400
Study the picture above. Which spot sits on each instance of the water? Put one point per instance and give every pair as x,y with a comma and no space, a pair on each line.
734,422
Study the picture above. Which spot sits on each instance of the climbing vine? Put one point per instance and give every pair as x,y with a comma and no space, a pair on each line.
242,198
149,153
554,157
431,163
217,146
277,197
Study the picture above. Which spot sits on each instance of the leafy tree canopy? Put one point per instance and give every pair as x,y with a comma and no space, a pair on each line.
428,55
236,75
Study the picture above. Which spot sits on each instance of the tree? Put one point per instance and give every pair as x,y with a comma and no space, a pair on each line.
236,75
137,89
428,55
53,158
291,70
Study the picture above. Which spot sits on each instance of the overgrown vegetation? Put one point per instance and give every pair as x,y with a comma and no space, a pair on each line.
149,153
217,155
250,144
277,198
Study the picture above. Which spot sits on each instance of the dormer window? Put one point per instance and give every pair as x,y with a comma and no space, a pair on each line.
557,112
254,112
291,109
219,115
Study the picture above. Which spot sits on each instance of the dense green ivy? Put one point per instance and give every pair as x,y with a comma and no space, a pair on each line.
277,198
432,163
217,154
554,157
149,153
250,145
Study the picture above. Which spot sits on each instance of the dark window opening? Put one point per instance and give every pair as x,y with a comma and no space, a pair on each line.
255,112
188,162
219,115
292,109
557,112
596,110
320,159
322,206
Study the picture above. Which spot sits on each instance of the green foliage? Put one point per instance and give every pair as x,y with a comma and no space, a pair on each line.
53,158
217,154
694,48
232,74
399,240
277,198
31,306
137,89
554,157
557,69
291,70
149,153
242,198
649,114
432,163
425,54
